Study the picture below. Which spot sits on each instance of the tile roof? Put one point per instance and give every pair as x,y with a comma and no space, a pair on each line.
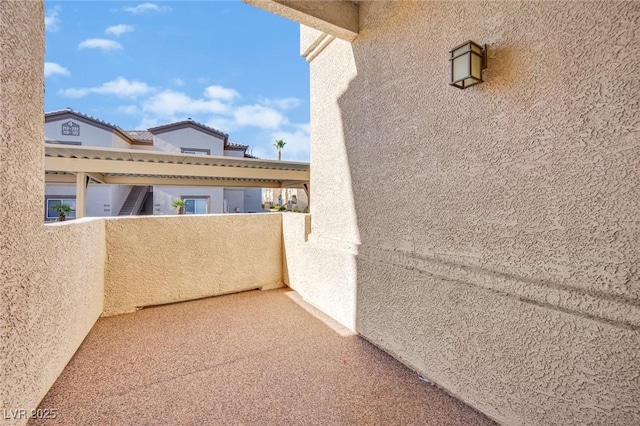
141,135
189,122
237,145
80,114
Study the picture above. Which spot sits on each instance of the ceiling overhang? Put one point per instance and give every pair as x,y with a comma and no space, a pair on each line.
339,18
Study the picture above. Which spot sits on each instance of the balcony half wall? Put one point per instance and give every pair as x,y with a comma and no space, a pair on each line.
158,260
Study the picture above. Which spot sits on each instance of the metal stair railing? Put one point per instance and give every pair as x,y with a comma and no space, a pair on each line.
134,201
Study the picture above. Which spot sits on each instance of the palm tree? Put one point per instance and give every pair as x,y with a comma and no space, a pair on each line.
179,204
279,145
63,210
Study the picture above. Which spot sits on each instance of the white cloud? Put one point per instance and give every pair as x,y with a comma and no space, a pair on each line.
147,7
100,43
297,144
149,122
259,116
222,93
52,19
118,30
282,103
51,68
216,107
224,124
120,87
178,82
170,103
129,109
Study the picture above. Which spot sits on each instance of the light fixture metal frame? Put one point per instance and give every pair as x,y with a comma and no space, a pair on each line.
483,57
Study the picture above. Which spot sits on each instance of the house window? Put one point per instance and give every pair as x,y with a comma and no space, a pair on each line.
196,205
195,151
52,214
77,143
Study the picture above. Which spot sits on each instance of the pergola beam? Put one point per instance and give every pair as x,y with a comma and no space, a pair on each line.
71,178
339,18
84,165
154,180
59,178
292,184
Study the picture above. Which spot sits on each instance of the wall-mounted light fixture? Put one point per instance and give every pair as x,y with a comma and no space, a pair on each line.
467,62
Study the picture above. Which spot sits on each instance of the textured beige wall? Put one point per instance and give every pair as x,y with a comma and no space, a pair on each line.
155,260
498,225
50,278
322,272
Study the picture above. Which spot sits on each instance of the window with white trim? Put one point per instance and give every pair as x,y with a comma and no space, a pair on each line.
196,205
52,214
196,151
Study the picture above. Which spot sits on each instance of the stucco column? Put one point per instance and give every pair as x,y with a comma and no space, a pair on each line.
22,195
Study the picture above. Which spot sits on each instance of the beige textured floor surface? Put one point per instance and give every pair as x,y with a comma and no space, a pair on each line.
253,358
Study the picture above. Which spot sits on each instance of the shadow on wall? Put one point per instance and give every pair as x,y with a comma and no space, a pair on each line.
489,261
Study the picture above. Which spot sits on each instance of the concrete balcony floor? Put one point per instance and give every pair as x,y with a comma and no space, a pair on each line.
247,358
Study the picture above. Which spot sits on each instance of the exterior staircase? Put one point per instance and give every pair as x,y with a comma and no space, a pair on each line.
135,201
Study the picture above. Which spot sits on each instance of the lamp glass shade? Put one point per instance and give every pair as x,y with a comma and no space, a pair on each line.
460,67
460,50
476,48
467,63
476,66
469,82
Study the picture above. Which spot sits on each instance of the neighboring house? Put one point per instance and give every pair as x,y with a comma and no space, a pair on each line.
70,127
189,137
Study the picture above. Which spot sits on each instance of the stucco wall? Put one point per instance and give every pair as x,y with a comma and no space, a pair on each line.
175,140
90,134
98,203
252,200
50,278
233,153
163,196
120,142
234,199
498,225
155,260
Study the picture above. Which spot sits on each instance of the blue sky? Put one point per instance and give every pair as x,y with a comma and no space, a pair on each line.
141,64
